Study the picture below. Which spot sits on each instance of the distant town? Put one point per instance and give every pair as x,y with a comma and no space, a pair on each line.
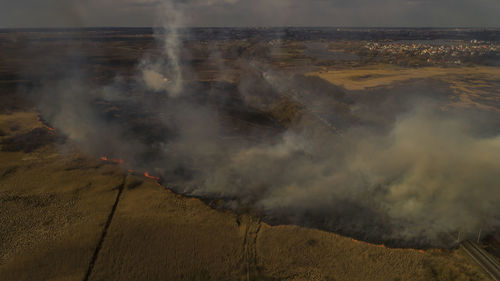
432,52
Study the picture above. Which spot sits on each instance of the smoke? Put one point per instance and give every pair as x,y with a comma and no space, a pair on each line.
388,166
425,175
426,178
172,22
154,80
165,73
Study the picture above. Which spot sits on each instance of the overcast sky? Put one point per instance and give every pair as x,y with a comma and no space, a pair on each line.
80,13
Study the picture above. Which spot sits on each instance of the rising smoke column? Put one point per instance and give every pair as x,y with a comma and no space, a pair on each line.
166,73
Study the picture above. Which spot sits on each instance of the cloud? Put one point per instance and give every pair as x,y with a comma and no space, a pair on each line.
72,13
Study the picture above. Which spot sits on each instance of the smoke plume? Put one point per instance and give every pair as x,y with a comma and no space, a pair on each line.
165,74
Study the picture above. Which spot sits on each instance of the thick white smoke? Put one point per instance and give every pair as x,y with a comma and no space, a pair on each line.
154,80
426,178
165,73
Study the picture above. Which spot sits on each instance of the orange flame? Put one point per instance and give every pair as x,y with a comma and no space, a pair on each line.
157,179
146,174
115,161
44,125
120,161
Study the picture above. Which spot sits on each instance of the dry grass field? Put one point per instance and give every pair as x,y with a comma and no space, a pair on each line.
472,86
361,78
56,204
52,208
310,254
157,235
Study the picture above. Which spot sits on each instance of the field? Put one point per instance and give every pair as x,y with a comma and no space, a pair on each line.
69,214
52,225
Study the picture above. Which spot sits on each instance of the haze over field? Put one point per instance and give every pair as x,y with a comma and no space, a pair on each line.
249,140
396,169
427,175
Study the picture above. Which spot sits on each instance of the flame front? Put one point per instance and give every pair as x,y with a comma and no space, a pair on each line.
115,161
45,125
120,161
157,179
146,174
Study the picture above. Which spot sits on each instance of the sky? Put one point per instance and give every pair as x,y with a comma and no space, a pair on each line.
236,13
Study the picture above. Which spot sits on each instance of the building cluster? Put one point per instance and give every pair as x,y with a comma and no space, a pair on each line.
452,51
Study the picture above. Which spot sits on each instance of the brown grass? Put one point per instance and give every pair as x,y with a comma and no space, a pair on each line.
473,87
50,221
160,235
384,75
309,254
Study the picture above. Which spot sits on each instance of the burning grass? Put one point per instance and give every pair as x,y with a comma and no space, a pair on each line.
52,215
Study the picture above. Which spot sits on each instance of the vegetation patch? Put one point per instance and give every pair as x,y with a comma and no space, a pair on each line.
29,141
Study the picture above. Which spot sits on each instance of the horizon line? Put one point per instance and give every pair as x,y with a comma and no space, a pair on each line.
253,27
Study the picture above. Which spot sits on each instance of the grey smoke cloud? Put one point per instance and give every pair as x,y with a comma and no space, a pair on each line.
165,74
427,177
72,13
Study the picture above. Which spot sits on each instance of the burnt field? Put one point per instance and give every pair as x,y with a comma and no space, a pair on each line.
241,124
